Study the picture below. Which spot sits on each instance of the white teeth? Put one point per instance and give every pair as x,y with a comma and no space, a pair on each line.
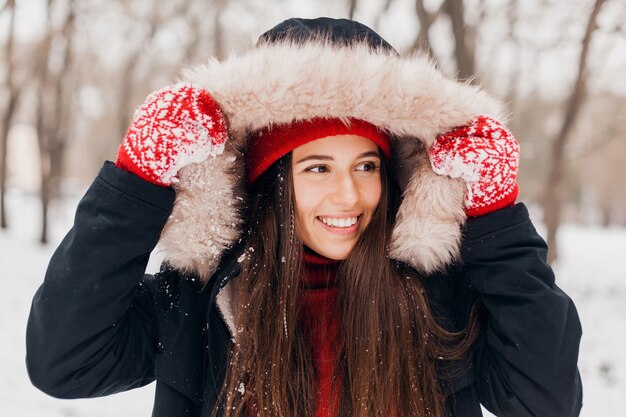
343,222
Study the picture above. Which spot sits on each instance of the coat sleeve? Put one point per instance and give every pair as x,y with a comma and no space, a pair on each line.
526,358
91,330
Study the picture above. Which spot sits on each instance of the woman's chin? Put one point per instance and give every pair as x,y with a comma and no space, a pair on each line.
334,252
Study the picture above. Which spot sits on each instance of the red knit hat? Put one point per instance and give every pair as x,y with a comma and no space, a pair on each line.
269,144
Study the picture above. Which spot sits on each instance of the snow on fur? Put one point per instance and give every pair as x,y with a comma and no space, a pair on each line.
206,218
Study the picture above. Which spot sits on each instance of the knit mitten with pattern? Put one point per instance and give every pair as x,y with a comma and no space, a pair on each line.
176,126
485,154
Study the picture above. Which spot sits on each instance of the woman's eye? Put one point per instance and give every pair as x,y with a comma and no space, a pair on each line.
367,166
317,169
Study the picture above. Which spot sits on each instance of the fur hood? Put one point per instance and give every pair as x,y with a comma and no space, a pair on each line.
286,80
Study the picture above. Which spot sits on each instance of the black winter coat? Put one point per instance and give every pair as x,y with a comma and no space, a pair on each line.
98,325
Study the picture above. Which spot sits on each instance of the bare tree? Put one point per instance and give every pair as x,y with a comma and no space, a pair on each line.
42,131
128,75
352,8
512,17
464,39
51,113
554,185
11,101
426,19
129,72
218,31
463,33
195,16
382,12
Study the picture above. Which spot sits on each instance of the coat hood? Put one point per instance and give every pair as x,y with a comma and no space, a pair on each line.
337,69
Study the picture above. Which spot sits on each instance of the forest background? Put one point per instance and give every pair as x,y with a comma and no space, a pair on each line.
72,72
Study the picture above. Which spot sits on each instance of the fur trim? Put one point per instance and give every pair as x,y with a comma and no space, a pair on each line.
428,226
406,96
206,219
224,301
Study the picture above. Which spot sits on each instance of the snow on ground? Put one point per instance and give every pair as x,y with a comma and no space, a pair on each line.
23,262
591,270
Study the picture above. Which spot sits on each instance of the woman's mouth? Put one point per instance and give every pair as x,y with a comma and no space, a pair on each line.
341,225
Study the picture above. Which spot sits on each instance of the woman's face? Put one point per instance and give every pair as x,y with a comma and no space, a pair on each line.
337,187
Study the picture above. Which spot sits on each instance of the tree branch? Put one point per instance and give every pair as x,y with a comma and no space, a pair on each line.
5,5
463,51
13,94
426,19
384,10
593,148
352,10
553,197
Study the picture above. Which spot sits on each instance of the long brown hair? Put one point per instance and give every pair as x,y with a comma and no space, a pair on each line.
390,341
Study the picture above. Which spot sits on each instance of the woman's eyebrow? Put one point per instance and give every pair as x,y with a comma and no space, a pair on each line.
318,157
330,158
370,153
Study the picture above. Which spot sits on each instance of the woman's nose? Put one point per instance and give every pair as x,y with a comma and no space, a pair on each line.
345,191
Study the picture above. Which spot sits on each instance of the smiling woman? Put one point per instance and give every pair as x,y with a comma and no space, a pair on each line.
340,238
337,187
332,254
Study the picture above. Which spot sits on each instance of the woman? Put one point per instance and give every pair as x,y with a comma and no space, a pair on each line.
335,245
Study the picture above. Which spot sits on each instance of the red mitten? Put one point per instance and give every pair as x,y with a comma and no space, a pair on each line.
176,126
485,154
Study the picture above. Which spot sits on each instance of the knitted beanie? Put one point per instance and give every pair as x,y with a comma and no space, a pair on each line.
269,144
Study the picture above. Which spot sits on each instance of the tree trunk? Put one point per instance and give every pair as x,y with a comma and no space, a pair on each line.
8,114
512,17
352,8
6,125
53,117
426,18
126,90
60,128
463,45
554,187
382,12
125,103
218,32
44,161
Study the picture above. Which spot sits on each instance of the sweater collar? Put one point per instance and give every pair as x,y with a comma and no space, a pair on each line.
319,272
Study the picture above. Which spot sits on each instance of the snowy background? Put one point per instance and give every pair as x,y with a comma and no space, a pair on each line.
527,53
591,270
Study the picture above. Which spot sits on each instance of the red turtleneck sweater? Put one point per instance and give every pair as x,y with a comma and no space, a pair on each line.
320,323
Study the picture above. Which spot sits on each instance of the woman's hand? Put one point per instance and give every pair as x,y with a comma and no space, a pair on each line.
176,126
485,154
